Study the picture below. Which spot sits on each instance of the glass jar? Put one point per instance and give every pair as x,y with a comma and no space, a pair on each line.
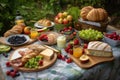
34,34
18,19
77,52
61,41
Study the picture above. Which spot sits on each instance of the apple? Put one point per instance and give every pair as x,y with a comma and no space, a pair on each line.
60,21
65,14
65,21
56,19
60,15
69,18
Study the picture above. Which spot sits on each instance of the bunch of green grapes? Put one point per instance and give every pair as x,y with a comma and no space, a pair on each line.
33,62
90,34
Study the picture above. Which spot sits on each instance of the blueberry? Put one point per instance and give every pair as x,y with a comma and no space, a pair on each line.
66,56
11,70
5,55
17,74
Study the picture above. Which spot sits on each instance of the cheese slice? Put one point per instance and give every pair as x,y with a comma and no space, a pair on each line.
48,54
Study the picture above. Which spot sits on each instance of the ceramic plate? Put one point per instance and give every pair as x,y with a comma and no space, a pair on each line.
40,26
17,40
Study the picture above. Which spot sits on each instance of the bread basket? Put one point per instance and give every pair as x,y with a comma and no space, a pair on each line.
100,26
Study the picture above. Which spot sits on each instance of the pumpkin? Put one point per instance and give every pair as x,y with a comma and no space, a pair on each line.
94,14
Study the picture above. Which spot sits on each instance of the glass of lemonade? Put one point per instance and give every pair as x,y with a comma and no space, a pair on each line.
34,34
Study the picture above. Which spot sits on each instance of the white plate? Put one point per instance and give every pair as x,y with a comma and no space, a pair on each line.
20,35
40,26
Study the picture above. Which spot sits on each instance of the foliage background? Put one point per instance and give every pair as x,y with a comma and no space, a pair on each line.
33,10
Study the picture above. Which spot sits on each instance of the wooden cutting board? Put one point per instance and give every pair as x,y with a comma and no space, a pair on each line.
93,60
3,41
46,64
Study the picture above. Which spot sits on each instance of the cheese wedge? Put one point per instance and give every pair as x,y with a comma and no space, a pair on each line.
47,53
97,48
16,54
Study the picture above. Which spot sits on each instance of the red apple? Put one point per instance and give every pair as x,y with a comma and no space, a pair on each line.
65,21
69,18
60,15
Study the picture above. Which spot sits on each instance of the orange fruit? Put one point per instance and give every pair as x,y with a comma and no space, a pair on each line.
27,30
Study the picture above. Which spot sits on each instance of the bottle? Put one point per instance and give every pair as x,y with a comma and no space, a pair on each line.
18,19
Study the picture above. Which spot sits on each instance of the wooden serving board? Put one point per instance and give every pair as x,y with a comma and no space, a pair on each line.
93,60
46,64
3,41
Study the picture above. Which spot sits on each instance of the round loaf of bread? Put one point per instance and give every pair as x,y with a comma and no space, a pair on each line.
51,38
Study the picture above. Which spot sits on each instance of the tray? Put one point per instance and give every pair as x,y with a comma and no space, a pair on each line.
46,64
93,60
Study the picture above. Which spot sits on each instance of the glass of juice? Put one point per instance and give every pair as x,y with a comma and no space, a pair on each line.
77,52
34,34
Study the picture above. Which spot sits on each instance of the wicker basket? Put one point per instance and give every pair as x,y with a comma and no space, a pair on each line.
100,26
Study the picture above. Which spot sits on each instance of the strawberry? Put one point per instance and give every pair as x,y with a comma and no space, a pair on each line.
41,63
7,72
85,46
59,56
76,41
8,64
70,51
70,46
69,60
42,36
67,49
12,74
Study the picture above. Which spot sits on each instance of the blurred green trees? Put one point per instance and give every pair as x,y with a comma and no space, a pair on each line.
33,10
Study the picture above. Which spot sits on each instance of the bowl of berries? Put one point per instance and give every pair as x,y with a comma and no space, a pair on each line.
48,38
112,38
69,32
